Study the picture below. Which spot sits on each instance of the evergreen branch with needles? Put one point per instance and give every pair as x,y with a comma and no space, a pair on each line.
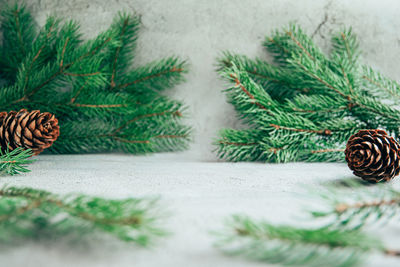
355,206
14,162
312,100
340,242
91,81
292,246
32,213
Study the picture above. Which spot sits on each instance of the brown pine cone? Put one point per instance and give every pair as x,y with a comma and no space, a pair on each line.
373,155
33,130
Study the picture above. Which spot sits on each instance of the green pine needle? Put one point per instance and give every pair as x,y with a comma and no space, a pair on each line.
305,105
357,206
338,243
286,245
15,162
32,213
102,100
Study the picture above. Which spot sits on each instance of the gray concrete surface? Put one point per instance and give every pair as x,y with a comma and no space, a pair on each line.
198,196
199,191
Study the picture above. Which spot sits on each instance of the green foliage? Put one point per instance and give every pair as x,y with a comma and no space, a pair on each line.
18,33
287,245
102,102
339,242
15,162
31,213
358,206
305,105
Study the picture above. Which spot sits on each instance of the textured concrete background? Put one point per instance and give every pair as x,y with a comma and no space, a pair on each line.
199,30
201,194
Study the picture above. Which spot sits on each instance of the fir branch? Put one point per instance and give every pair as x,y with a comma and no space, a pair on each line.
299,45
60,71
51,23
327,150
286,245
114,67
156,76
380,85
17,27
292,41
140,134
340,243
15,162
32,213
313,101
346,51
93,82
279,122
126,27
360,208
270,77
241,145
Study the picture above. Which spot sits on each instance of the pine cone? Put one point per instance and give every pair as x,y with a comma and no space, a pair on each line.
373,155
33,130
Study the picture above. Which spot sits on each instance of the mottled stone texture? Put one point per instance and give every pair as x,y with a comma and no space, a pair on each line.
200,30
197,198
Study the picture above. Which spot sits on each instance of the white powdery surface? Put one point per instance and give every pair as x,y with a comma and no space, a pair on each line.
197,195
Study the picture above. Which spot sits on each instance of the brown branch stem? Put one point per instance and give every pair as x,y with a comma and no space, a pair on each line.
21,210
114,68
130,141
390,252
133,220
326,150
343,207
322,132
347,46
61,71
100,105
171,136
238,83
8,161
63,52
236,143
79,90
81,74
21,42
278,127
352,102
300,45
278,45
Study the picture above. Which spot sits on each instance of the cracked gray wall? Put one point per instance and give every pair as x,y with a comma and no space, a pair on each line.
199,30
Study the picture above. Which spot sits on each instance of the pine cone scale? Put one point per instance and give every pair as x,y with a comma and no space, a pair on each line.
31,126
27,143
373,155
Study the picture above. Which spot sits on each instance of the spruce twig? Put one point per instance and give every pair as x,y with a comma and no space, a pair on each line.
92,87
15,162
339,243
359,208
312,101
32,213
287,245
